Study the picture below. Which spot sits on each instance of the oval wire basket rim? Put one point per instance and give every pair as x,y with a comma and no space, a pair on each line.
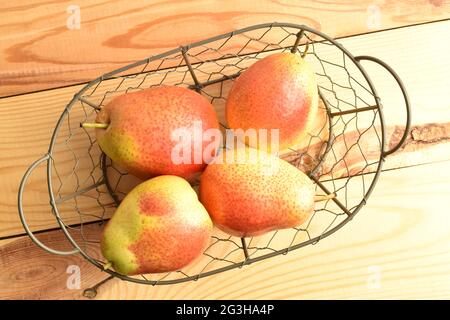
248,261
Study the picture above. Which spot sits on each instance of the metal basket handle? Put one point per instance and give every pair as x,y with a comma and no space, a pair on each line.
22,216
405,96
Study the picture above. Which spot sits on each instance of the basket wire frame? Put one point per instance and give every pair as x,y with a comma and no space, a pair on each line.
92,187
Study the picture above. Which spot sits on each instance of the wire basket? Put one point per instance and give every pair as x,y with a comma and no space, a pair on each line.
343,153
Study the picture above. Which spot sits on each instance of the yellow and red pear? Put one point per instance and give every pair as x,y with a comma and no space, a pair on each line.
276,92
140,127
248,192
160,226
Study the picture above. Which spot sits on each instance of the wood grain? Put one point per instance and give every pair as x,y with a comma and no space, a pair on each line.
30,274
28,121
42,48
396,248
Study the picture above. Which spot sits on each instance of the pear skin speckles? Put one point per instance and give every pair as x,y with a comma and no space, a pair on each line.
160,226
276,92
123,147
152,205
141,124
253,198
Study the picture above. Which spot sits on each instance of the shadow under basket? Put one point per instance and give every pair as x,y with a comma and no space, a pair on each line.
343,153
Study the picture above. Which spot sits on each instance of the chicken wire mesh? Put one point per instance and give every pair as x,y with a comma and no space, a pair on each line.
343,152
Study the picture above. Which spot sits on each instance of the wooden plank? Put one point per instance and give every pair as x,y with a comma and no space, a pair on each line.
395,248
36,274
44,45
28,121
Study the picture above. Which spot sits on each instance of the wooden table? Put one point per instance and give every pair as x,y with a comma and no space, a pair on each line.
397,247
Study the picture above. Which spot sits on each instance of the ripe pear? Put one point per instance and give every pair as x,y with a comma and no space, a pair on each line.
250,192
159,226
276,92
140,127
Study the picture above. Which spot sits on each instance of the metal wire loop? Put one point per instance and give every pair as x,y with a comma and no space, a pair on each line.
30,233
405,97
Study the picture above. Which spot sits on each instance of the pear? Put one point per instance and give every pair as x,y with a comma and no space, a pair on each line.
249,192
136,130
160,226
276,92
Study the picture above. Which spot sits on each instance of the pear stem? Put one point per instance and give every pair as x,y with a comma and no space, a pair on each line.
107,265
324,197
94,125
